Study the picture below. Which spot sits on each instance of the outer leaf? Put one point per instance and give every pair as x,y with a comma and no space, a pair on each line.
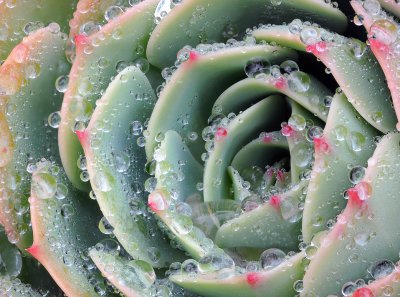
116,270
126,36
275,282
262,116
60,231
27,79
354,68
366,231
385,51
350,141
195,86
116,166
16,15
201,21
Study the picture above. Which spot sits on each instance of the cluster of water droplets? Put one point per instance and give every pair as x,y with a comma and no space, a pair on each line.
164,7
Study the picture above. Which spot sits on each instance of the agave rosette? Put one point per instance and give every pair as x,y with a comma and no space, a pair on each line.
199,148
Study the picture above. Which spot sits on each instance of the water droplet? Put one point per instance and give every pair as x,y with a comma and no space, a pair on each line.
298,286
144,273
61,192
143,64
372,6
384,31
163,8
381,269
190,267
181,224
112,12
302,154
272,258
257,68
297,122
62,83
356,141
289,66
309,35
216,261
67,211
54,119
314,132
121,161
105,227
103,181
44,185
356,174
299,81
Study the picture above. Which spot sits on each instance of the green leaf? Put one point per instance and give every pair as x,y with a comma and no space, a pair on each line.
176,168
353,66
117,271
21,17
115,163
202,21
275,282
126,37
27,79
274,224
61,221
185,103
382,32
366,232
262,116
247,91
350,141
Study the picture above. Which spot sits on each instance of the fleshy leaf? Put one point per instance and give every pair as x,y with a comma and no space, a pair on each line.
201,21
351,63
194,87
115,163
300,148
392,6
265,115
119,273
382,33
239,192
366,232
19,18
126,37
246,91
27,80
274,224
384,286
61,221
176,168
347,141
275,282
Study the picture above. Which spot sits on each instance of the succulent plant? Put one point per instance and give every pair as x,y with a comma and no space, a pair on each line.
221,148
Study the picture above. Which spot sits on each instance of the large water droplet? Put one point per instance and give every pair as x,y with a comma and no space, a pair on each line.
299,81
272,258
103,181
381,269
44,185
